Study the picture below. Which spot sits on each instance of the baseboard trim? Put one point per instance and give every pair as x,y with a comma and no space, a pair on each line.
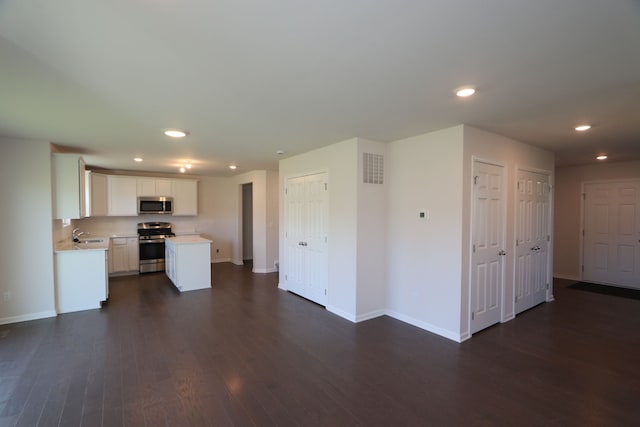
426,326
345,315
370,315
217,260
27,317
566,277
281,286
237,262
264,270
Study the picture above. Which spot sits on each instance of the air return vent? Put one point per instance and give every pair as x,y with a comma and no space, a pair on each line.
372,168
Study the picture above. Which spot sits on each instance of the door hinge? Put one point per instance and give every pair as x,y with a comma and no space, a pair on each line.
475,180
583,232
547,286
516,298
516,242
286,191
584,196
518,185
325,186
472,315
325,291
474,248
548,238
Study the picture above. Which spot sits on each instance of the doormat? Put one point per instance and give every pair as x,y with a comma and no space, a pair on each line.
607,290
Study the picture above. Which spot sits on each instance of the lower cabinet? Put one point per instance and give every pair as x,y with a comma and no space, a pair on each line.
82,282
188,262
124,256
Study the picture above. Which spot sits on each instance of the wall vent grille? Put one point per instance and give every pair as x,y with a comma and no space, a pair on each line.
372,168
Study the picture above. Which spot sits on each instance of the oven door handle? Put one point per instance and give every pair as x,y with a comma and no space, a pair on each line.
147,241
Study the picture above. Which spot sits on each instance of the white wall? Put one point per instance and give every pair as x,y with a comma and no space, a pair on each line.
568,203
513,155
26,264
340,161
371,239
424,257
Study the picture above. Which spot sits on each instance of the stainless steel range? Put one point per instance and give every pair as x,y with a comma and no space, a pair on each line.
151,237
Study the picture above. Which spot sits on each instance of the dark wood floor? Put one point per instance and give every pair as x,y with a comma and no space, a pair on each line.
246,353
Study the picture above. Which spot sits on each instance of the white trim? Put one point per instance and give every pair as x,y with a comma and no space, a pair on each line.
282,286
264,270
370,315
341,313
566,277
237,262
27,317
428,327
508,318
217,260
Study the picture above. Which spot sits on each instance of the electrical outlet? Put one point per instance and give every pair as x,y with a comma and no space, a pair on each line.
217,251
7,296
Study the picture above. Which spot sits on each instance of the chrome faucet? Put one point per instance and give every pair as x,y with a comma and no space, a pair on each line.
76,235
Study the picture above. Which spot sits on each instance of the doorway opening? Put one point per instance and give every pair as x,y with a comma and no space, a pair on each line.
247,222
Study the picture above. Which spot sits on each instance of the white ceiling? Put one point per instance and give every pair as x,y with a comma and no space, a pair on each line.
247,78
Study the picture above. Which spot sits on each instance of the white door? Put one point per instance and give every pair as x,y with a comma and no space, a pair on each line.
611,245
487,258
306,224
532,240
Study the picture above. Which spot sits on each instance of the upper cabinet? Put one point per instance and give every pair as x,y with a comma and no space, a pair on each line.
155,187
185,197
117,195
68,186
122,195
96,194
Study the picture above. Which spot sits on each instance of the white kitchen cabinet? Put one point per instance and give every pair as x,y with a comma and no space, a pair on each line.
124,256
96,194
185,197
122,195
188,262
81,277
68,186
154,187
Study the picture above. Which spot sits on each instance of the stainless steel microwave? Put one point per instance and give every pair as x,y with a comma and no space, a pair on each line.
155,205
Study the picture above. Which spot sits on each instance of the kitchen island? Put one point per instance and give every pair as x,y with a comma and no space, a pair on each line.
188,262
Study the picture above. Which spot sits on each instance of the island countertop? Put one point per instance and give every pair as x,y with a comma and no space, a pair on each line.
186,240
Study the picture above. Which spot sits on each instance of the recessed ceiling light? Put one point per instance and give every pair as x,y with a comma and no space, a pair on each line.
182,170
176,133
232,166
602,157
137,159
281,152
465,91
582,128
188,166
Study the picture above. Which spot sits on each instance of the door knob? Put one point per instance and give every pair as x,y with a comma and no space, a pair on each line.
502,253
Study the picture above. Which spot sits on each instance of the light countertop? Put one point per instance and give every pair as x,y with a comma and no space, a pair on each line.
94,243
185,240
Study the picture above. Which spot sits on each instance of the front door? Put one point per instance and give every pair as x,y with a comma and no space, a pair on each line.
487,258
611,245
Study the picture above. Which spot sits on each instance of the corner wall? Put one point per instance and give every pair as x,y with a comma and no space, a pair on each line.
27,243
424,258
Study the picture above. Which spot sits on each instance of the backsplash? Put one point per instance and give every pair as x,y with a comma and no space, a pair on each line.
61,231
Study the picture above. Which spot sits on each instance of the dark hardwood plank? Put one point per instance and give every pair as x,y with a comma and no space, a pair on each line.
245,353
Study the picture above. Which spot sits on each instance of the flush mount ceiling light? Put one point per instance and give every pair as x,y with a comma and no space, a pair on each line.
582,128
175,133
602,157
188,166
233,167
281,152
137,159
465,91
182,170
